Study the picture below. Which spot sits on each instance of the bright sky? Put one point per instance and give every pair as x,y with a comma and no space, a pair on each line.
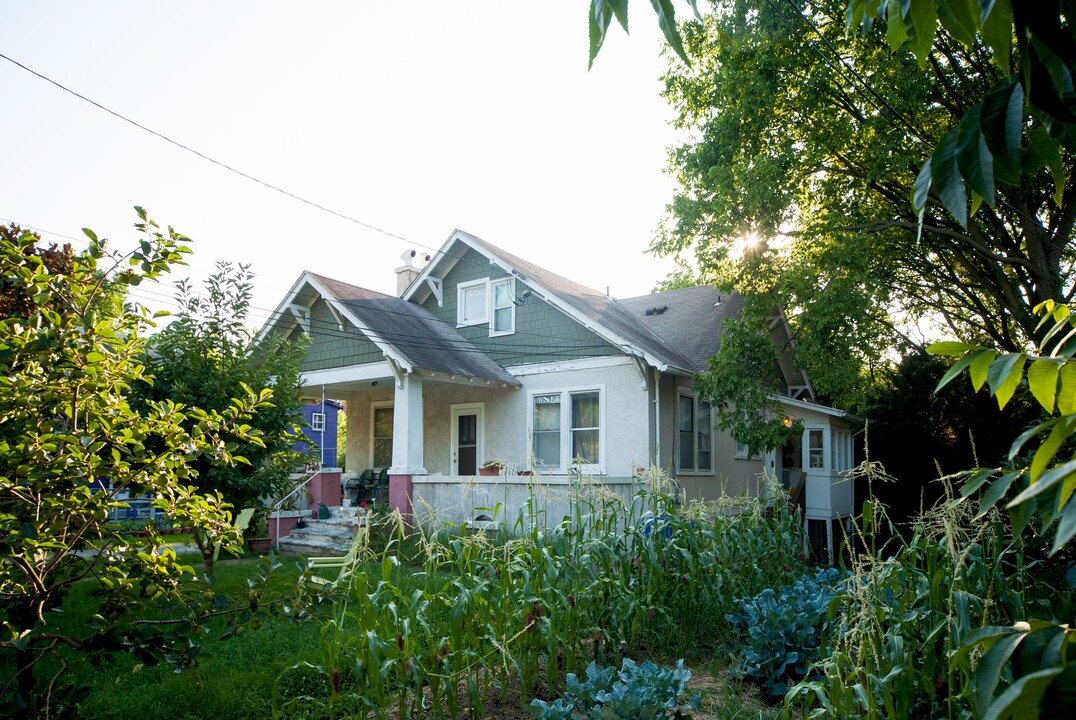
415,117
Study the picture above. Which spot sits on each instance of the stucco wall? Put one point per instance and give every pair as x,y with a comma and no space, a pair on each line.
731,476
506,412
440,499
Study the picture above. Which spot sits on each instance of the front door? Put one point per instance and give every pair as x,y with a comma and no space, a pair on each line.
466,438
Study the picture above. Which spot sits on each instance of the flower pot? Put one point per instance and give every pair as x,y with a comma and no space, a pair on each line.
260,544
489,471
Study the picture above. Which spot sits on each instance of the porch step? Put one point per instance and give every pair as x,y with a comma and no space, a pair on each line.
332,536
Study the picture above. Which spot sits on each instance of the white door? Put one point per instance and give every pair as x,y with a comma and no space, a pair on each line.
466,443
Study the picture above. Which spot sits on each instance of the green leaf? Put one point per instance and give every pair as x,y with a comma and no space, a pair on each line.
1049,447
956,369
1066,527
960,18
996,27
1021,699
974,160
1042,379
996,492
1046,482
951,347
923,18
1004,376
895,33
945,176
1044,150
988,671
667,22
979,367
1066,396
1002,122
599,15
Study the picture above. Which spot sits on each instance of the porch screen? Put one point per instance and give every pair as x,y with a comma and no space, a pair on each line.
585,421
382,437
546,430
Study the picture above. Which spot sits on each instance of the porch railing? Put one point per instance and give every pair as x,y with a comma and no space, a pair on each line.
311,474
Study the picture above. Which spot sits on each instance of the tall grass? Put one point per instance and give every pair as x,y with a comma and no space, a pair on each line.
482,614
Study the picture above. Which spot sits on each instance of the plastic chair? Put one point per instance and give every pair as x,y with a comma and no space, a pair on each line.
242,522
341,563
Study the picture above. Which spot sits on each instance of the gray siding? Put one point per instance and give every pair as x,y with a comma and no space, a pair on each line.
331,348
543,333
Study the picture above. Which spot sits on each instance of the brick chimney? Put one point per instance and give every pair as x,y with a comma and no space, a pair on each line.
413,262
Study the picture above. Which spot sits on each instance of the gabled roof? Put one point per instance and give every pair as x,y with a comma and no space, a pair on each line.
600,313
405,332
690,319
693,321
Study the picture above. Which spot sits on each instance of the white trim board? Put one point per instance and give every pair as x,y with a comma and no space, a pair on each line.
593,363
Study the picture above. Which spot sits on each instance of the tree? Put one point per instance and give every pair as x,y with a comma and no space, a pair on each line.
206,357
807,146
67,362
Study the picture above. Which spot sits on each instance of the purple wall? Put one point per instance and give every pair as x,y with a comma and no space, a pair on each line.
328,451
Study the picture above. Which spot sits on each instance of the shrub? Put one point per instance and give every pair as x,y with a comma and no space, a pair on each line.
783,629
637,692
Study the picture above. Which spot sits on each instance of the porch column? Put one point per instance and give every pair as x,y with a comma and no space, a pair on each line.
407,459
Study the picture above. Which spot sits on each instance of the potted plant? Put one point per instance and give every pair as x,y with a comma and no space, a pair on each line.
257,535
491,468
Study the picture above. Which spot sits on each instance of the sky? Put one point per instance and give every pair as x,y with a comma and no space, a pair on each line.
415,118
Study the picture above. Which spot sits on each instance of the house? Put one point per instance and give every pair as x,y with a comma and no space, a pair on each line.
318,422
485,356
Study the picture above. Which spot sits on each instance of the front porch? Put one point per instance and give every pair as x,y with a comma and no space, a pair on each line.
415,425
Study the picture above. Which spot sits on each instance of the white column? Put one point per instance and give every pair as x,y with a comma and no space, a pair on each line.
407,456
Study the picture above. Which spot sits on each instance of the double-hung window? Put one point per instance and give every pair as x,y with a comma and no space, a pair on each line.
381,431
695,435
317,421
503,313
566,429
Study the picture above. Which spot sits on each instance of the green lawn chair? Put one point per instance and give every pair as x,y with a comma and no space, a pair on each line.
341,563
242,522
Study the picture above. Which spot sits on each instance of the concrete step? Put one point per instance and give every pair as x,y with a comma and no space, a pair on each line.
314,546
340,533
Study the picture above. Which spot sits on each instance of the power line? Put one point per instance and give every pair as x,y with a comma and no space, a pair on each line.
202,155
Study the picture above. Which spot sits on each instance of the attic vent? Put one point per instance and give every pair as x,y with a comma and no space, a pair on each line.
657,310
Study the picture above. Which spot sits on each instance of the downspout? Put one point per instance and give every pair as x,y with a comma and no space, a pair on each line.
657,417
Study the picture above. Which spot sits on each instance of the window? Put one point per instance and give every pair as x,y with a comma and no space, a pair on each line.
382,437
472,303
743,452
696,435
317,421
585,421
566,428
816,455
546,430
503,315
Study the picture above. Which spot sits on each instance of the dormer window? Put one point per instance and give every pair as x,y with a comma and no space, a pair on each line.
503,313
481,302
472,303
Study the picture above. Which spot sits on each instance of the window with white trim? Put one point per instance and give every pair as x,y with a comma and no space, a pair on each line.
566,429
816,454
472,302
696,435
502,319
381,432
546,430
317,421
